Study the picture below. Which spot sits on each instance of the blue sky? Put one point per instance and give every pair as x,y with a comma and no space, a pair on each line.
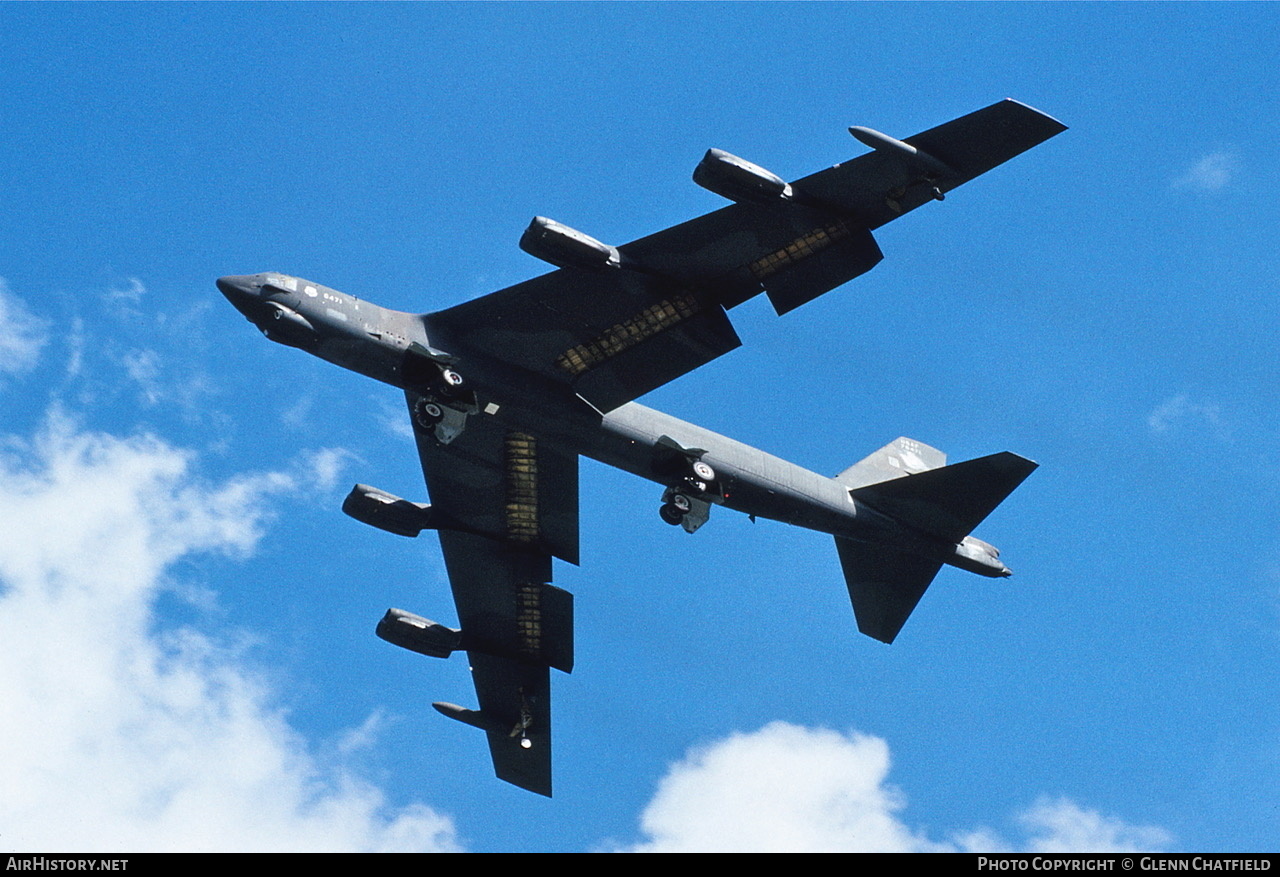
188,617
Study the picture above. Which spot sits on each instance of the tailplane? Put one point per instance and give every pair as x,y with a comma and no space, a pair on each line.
917,490
949,501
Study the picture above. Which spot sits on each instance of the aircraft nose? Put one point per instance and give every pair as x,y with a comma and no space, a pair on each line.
244,291
237,287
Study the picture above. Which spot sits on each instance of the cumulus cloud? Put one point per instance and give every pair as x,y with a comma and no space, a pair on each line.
1212,173
1056,825
791,789
121,734
781,789
22,334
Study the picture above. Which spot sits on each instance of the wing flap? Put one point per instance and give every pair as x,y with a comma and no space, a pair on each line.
622,363
610,334
853,252
506,604
507,485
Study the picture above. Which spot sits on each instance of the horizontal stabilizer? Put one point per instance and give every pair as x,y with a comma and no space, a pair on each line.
884,585
950,501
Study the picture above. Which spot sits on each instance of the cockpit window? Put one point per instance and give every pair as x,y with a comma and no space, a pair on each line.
282,281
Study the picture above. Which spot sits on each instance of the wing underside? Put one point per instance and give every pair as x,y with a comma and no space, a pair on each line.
614,333
511,503
506,501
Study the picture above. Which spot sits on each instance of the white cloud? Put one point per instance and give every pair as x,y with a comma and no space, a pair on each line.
123,736
1179,409
791,789
143,367
1212,173
780,789
22,334
1057,825
131,293
297,414
325,465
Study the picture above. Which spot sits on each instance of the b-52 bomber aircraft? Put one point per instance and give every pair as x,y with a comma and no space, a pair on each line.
506,391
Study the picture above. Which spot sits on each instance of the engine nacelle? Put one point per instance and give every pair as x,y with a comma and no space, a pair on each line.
474,718
738,179
560,245
418,634
388,512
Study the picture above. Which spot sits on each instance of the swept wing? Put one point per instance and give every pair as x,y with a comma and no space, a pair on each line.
657,308
636,317
510,502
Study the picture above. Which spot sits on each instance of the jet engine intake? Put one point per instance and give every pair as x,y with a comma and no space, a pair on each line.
738,179
560,245
388,512
418,634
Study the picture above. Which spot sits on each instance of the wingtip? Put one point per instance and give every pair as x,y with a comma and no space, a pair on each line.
1061,127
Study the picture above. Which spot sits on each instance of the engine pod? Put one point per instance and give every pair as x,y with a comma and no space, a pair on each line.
418,634
738,179
388,512
560,245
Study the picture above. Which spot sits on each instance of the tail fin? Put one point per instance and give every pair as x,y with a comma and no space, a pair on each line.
902,456
947,502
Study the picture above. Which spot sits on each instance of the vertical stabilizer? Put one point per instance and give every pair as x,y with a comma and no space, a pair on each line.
944,502
902,456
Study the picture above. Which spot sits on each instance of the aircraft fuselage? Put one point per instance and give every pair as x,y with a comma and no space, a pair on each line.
400,349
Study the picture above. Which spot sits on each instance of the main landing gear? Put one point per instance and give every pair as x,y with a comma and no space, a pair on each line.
443,408
673,512
687,503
